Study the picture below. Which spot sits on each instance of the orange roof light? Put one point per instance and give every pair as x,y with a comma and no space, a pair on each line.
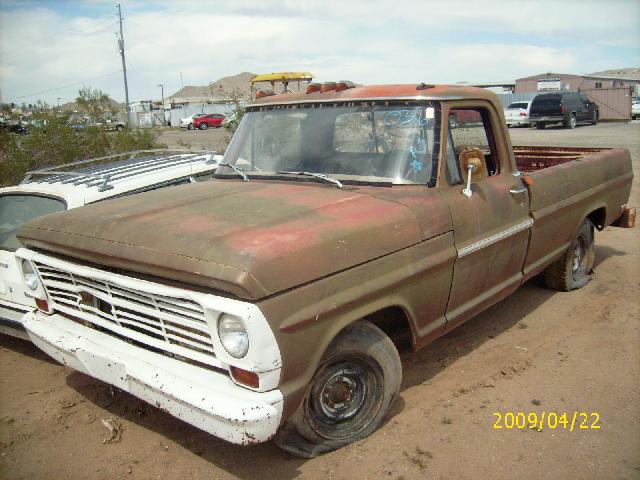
327,86
264,93
344,85
313,88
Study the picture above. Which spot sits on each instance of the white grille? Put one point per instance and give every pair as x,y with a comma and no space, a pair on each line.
175,325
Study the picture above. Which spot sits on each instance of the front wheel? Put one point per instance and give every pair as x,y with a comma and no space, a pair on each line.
540,125
358,378
575,268
594,120
203,126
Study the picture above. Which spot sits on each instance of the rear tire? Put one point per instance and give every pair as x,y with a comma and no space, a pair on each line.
575,268
190,126
540,125
358,379
570,122
594,121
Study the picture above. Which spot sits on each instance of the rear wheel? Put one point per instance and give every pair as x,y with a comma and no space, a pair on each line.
575,268
190,126
594,120
351,392
540,125
571,121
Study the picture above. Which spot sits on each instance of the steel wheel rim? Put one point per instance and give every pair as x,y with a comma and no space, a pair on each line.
579,255
345,398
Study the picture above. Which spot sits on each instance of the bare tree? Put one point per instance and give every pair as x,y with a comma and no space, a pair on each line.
95,102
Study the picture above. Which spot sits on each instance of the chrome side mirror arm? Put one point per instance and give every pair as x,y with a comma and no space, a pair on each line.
467,190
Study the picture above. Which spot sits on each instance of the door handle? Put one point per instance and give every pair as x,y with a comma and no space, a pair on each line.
517,190
4,265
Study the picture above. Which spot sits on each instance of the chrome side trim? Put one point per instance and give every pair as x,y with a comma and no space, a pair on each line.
485,242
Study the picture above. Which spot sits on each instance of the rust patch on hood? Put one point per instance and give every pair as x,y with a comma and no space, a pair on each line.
250,239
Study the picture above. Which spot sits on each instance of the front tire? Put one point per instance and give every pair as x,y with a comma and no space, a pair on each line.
540,125
575,268
594,120
358,379
203,126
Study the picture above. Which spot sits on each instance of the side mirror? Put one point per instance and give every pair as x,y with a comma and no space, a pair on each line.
474,168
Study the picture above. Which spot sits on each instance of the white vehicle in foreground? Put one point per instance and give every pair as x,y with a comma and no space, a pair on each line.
517,114
188,122
74,185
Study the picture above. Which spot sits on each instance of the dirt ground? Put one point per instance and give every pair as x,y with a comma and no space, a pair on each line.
538,350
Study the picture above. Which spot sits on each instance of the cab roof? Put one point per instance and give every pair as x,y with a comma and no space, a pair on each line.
410,91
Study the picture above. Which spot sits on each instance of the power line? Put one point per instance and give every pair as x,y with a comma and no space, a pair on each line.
64,86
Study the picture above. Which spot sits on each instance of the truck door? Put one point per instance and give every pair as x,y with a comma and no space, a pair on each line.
491,223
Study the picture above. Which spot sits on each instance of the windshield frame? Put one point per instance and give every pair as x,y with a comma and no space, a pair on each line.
243,132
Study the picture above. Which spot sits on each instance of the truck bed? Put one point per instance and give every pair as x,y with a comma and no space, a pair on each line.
530,159
565,186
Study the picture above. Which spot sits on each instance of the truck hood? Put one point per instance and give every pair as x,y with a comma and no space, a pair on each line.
251,239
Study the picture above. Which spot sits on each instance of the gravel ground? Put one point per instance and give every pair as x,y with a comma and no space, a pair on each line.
537,351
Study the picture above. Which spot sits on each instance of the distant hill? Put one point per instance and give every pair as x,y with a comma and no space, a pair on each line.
219,88
632,73
73,106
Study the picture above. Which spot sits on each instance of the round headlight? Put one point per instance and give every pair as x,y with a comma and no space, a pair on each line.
29,275
233,336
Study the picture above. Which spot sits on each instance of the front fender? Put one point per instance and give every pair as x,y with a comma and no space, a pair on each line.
305,320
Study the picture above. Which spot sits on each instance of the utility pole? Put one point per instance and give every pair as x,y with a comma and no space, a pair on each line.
164,122
124,65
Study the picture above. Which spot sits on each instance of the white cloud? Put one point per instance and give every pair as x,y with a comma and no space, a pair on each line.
370,42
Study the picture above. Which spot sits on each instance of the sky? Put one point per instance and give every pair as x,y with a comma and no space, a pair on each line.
51,48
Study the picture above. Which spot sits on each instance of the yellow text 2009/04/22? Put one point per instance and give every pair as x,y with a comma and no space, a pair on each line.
547,420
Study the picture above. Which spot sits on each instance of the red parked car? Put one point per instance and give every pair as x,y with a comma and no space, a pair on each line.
209,120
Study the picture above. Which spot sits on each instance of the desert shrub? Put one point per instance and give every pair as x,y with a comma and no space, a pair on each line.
57,143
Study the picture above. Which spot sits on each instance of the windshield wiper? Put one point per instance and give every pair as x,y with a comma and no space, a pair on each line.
238,170
311,174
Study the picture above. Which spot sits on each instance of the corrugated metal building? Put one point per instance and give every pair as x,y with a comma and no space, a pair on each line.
612,93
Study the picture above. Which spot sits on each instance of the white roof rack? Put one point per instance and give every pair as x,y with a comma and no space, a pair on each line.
104,171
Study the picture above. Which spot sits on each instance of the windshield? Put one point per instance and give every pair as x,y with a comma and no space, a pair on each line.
15,210
518,105
391,144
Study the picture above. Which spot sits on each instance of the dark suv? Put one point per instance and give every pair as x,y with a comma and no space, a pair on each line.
568,108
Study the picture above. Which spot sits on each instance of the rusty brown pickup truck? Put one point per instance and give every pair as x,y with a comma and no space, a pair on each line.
272,300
